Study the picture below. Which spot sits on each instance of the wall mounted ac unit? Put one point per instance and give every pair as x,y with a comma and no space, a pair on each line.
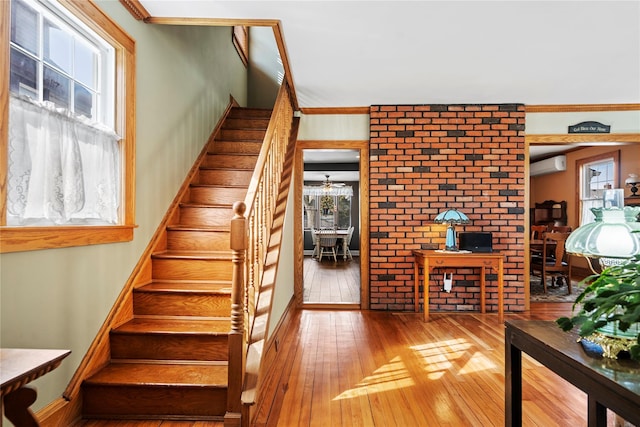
551,165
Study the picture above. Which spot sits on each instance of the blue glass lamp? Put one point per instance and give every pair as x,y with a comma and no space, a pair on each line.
451,217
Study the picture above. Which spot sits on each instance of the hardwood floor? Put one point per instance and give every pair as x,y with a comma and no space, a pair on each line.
352,368
327,282
372,368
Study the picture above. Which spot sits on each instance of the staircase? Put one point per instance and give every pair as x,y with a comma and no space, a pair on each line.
170,360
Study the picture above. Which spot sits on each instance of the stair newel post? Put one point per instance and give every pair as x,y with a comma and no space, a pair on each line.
236,335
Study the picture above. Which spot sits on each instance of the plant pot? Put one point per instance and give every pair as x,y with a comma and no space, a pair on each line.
610,342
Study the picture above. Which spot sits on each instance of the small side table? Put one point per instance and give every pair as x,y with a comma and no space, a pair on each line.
19,367
436,259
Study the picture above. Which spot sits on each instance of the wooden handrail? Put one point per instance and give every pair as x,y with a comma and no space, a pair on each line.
250,234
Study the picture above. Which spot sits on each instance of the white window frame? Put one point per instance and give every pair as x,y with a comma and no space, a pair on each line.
607,164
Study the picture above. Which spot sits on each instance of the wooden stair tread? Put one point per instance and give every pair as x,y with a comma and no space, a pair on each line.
198,326
207,205
193,255
162,374
187,286
206,228
220,186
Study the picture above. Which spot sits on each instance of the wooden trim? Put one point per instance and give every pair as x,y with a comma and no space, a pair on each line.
579,107
15,239
562,138
216,22
336,110
363,146
288,75
5,23
136,9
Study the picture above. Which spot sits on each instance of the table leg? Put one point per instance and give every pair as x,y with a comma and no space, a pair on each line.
416,285
500,291
512,383
16,407
425,289
483,289
597,413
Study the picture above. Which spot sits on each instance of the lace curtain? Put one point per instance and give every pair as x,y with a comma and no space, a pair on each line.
61,170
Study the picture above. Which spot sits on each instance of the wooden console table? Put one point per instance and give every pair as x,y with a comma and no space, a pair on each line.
19,367
436,259
608,383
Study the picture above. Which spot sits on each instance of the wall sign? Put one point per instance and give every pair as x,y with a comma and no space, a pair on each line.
589,127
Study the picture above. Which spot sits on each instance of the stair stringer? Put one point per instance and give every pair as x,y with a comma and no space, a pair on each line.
67,409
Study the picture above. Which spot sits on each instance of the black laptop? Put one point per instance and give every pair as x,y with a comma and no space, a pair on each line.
475,242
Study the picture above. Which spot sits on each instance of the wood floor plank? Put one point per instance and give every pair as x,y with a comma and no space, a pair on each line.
372,368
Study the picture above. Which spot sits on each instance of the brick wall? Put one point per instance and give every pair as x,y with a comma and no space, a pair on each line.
427,158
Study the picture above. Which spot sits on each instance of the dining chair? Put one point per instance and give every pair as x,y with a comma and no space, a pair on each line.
316,241
328,243
560,229
556,263
347,242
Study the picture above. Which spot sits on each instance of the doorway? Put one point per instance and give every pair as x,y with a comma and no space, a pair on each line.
331,184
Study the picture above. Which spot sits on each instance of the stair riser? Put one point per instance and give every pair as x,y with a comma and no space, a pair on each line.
248,113
169,347
198,240
230,161
224,177
217,195
194,216
138,401
230,147
241,135
191,269
246,123
181,304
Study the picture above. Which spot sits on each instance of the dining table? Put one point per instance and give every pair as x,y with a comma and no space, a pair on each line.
340,235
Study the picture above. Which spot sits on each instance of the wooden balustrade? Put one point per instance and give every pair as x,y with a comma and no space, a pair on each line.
250,233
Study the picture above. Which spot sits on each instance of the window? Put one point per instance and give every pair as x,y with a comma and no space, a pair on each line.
240,37
596,174
327,211
55,57
71,72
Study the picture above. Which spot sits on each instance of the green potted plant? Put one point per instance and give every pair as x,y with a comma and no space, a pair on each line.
609,309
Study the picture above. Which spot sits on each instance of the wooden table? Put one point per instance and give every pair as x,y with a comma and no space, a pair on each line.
440,259
340,235
19,367
608,383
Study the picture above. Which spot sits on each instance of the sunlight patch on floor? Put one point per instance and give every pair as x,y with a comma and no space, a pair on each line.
441,356
392,376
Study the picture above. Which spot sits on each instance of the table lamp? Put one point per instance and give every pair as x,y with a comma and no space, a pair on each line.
615,234
451,217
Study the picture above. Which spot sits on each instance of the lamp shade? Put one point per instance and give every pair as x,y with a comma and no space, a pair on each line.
451,216
614,234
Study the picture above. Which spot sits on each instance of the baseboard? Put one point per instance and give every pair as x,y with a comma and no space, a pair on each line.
273,369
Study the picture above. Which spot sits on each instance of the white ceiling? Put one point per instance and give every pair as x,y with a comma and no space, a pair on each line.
361,53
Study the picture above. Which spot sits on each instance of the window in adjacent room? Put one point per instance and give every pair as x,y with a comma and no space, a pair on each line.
596,174
70,135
